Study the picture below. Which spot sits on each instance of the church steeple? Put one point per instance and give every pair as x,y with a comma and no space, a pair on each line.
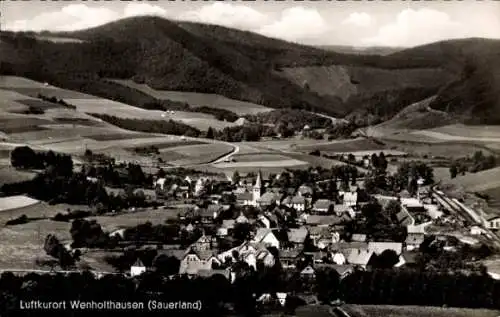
257,188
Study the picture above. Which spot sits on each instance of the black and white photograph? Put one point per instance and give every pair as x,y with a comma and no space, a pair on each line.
250,158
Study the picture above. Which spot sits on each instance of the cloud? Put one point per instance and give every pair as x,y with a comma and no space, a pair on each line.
226,14
417,27
71,17
135,9
361,19
297,24
80,16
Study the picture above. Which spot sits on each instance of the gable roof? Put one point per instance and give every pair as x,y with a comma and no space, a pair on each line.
359,256
297,235
268,197
138,263
359,237
308,270
261,234
298,200
341,269
244,196
322,204
379,247
324,220
228,223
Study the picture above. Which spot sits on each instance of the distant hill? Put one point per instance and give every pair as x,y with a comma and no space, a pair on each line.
182,56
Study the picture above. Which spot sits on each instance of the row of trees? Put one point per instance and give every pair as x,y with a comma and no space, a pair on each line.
24,157
56,101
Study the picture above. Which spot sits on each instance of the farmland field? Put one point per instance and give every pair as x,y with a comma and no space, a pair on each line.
21,124
119,136
39,104
415,311
258,164
111,223
23,244
474,131
113,108
481,181
343,146
199,99
16,202
449,137
259,157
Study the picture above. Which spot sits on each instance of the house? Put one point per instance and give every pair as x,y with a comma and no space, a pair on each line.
298,203
476,230
281,298
341,210
266,258
244,199
493,222
315,220
297,236
359,257
338,258
160,183
323,206
350,198
305,191
379,247
137,268
268,199
308,272
408,259
343,270
316,233
241,219
358,237
204,243
119,233
289,258
226,228
196,260
266,237
415,237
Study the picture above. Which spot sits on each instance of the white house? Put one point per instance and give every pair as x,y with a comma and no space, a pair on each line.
137,268
350,199
338,258
267,237
493,222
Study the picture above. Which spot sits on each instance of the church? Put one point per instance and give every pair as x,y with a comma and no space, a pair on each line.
250,196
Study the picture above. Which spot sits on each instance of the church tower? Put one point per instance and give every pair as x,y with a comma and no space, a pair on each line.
257,188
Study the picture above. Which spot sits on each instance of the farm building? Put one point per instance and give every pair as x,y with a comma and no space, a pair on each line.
493,222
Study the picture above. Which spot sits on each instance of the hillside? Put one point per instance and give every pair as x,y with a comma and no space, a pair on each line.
191,57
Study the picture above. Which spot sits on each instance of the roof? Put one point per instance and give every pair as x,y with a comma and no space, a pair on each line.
290,254
322,204
268,197
308,270
258,181
178,254
228,223
244,196
359,237
341,269
349,245
351,196
379,247
287,200
324,220
492,217
303,189
241,218
297,235
321,231
415,229
410,202
261,234
359,256
209,273
410,257
414,238
138,263
340,208
298,200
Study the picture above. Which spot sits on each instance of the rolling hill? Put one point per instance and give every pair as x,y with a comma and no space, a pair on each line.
191,57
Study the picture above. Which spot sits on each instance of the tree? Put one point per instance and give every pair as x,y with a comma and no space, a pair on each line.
24,157
392,208
453,170
210,133
236,177
386,259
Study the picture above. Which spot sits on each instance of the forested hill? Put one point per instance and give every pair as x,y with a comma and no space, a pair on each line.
246,66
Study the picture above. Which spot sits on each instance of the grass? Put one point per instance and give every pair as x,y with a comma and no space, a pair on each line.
415,311
169,145
79,121
199,99
119,136
259,164
208,151
158,216
16,202
113,108
39,104
481,181
21,124
343,146
259,157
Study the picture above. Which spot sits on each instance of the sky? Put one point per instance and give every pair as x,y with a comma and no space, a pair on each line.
356,23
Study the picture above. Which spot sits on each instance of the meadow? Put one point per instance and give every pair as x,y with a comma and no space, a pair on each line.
480,181
199,99
343,146
415,311
16,202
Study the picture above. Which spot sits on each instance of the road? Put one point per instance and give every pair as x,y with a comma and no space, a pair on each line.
472,217
338,312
